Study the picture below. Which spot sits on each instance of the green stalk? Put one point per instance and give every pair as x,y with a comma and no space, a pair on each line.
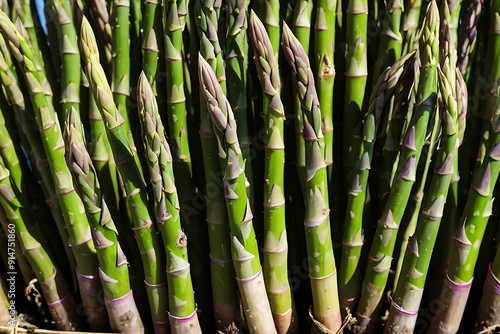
174,24
113,265
381,252
271,20
120,79
152,43
34,247
321,264
408,293
133,183
467,36
410,217
353,239
355,76
324,48
391,41
70,57
236,72
182,308
275,237
100,16
301,24
245,251
410,24
71,204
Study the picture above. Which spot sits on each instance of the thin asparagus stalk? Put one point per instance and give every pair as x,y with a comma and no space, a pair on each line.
301,23
380,257
467,36
324,48
33,245
71,205
408,293
100,16
245,252
134,187
353,239
152,43
236,72
174,24
271,20
113,265
322,270
391,41
275,238
70,57
120,79
410,24
182,310
355,76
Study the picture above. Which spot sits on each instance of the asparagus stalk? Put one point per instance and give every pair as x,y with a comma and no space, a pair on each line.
113,265
33,245
99,14
408,293
410,24
356,73
134,187
321,264
275,238
245,252
182,310
71,204
467,36
271,19
152,43
70,57
236,72
174,24
381,251
324,48
353,239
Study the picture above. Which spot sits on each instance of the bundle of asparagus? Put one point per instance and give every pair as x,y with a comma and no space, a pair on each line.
250,166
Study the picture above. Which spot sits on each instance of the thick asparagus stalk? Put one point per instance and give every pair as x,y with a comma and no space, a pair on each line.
182,310
113,265
356,75
134,187
380,257
245,252
322,270
275,238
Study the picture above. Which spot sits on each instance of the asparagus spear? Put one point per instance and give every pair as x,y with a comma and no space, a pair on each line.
356,75
72,207
70,57
322,270
113,265
134,187
408,293
324,47
174,24
275,238
467,36
236,72
182,311
245,252
380,257
353,239
59,299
